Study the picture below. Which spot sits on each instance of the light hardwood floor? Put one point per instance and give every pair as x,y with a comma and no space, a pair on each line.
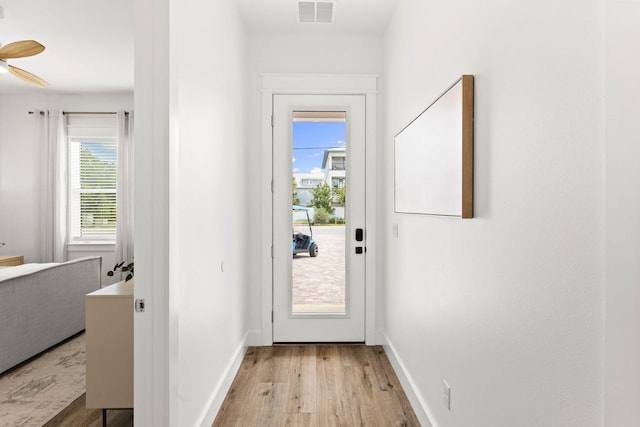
316,386
298,385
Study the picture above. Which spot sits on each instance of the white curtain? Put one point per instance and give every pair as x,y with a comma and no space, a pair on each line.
124,194
53,190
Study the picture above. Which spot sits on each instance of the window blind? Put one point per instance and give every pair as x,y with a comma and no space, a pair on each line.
93,171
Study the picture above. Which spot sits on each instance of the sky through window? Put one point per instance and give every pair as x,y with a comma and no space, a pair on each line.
311,139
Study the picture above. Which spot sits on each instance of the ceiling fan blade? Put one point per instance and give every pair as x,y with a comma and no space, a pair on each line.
21,49
27,76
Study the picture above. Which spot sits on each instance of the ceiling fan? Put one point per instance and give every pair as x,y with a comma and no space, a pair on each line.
21,49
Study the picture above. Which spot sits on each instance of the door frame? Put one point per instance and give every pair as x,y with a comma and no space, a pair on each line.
317,84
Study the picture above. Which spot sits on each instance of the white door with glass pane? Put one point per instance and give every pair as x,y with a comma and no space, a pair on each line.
319,269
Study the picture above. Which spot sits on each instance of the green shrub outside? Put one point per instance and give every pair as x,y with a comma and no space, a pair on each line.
321,216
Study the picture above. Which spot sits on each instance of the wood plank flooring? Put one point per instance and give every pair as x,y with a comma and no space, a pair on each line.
77,415
298,385
316,386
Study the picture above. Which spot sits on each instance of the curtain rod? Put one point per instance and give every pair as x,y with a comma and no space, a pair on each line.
83,112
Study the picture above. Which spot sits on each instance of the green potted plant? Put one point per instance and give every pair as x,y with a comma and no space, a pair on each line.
128,268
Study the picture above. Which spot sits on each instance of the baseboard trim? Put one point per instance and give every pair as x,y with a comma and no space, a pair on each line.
408,384
223,386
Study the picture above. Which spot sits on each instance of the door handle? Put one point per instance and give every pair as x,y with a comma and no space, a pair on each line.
359,234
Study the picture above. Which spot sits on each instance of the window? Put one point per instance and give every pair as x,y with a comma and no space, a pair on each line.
92,168
337,183
338,163
311,182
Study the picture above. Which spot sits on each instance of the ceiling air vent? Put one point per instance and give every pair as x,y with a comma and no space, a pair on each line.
322,12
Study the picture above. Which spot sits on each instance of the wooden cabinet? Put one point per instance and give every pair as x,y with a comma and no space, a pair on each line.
109,337
11,260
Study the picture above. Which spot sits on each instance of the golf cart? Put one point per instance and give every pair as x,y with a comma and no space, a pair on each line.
304,242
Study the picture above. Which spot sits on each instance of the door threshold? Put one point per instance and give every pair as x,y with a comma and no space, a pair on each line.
341,343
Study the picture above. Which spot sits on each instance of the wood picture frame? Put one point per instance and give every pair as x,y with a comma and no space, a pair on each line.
433,156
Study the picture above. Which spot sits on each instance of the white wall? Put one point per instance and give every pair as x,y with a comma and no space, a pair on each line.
622,214
20,174
191,208
506,307
210,249
293,53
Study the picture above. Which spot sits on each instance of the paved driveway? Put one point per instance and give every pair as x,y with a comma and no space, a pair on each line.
319,283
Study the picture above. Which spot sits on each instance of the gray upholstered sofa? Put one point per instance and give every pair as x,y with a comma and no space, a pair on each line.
38,309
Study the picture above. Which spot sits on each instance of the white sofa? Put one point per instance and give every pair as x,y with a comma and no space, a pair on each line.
43,304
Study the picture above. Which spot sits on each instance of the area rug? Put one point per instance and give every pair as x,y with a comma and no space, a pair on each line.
33,393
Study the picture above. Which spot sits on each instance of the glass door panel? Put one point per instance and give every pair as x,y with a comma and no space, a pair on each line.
319,169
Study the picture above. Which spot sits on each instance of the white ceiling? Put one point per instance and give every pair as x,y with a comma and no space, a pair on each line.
351,16
89,43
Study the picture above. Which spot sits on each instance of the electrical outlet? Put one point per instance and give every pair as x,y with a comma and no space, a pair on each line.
446,395
395,230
